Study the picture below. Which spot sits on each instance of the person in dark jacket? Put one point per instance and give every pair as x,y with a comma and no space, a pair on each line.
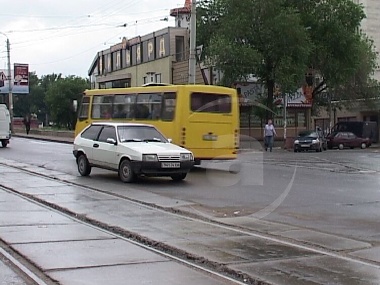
27,121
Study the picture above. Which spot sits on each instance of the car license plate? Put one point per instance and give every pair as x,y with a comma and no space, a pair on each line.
304,145
170,165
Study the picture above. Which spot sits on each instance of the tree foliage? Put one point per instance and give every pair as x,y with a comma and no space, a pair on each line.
51,99
254,37
280,40
60,97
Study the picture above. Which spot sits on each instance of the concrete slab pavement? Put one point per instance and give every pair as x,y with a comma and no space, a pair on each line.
72,253
71,256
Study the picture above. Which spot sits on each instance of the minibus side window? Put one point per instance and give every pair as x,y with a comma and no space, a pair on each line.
123,106
102,107
84,108
168,106
148,106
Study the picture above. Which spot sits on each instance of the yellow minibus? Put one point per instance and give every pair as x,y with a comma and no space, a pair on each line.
201,118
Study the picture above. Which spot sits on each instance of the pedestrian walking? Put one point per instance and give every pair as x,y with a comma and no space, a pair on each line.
26,122
269,134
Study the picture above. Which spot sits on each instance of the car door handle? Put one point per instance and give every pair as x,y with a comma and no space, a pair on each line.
95,145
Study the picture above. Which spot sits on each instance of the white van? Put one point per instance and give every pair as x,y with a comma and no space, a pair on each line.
5,125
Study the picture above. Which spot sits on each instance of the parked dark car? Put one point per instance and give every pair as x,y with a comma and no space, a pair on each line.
359,128
309,140
343,140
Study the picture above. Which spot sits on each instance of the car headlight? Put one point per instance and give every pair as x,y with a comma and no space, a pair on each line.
186,156
150,157
296,141
315,141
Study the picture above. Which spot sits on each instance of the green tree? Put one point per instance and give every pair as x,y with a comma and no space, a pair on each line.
343,57
264,38
45,82
281,40
60,97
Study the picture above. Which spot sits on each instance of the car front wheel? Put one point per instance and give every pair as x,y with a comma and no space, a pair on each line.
179,176
126,173
4,143
84,167
363,145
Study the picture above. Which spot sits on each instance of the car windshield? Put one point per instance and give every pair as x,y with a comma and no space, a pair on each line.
140,133
311,134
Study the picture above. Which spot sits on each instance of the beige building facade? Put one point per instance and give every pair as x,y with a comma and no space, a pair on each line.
159,57
371,26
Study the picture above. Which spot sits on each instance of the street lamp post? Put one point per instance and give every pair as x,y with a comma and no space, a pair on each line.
10,95
285,115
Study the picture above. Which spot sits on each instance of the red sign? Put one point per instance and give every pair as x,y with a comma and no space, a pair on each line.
21,78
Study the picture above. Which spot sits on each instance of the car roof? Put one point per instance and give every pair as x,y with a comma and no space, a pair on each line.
119,124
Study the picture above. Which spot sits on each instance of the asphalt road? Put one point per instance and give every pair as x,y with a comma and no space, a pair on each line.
297,218
334,192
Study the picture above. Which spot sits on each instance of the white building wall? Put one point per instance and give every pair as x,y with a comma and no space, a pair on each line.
371,25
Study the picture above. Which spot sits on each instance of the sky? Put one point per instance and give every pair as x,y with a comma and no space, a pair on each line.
64,36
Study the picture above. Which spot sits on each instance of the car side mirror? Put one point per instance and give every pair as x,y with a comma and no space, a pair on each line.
111,141
170,140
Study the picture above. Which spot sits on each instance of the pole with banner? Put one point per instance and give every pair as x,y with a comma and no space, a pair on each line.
10,94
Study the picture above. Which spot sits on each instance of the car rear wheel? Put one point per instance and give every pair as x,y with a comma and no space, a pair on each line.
126,173
363,145
179,176
4,143
84,167
341,146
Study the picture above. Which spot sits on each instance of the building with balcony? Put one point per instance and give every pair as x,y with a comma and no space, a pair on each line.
159,57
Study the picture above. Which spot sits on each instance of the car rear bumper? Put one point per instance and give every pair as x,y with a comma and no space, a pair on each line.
157,169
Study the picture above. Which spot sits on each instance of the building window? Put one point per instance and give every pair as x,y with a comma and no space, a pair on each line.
158,78
180,48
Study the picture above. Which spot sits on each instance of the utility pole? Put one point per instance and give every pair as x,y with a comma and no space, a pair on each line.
10,96
193,34
285,115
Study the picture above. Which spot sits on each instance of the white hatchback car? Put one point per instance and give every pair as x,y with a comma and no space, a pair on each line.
132,150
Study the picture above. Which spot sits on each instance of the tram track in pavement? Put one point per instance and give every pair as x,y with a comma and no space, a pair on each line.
174,253
37,277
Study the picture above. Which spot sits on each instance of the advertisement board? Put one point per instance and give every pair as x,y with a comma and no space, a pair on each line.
252,91
19,79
